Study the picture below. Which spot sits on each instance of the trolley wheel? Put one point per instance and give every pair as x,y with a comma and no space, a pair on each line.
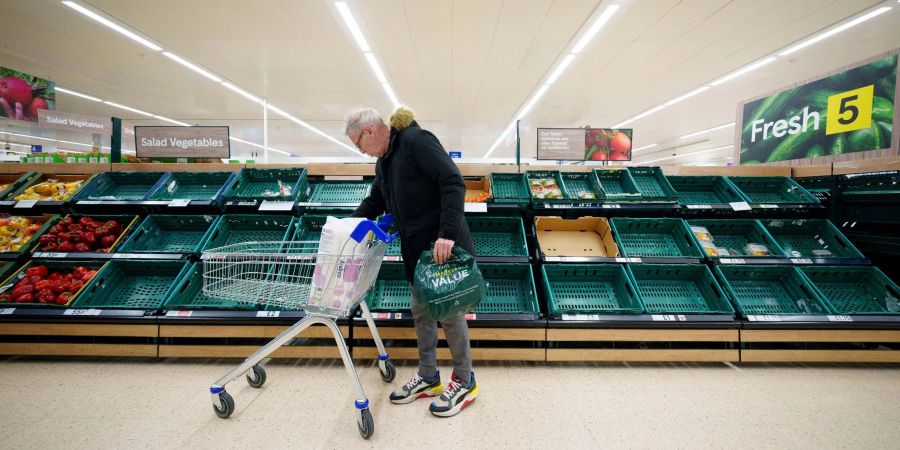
226,405
389,371
366,423
258,378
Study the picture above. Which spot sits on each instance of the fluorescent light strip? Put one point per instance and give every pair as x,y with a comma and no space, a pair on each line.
744,70
540,93
827,34
77,94
687,96
110,24
252,144
242,92
192,66
166,119
686,154
639,116
128,108
645,147
720,127
373,63
354,27
563,65
595,28
391,95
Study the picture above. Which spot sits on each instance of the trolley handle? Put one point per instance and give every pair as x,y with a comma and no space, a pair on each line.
364,227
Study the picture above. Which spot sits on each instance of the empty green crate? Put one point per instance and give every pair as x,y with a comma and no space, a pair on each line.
810,238
534,176
652,184
193,186
498,236
262,184
704,190
773,190
617,185
734,235
654,238
121,186
188,294
510,188
679,289
770,290
351,193
590,289
169,234
131,284
14,181
238,228
581,186
855,290
871,188
510,290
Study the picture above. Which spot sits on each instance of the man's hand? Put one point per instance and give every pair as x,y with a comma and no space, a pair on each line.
442,249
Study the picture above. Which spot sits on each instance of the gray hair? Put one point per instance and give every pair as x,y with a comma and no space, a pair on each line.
356,119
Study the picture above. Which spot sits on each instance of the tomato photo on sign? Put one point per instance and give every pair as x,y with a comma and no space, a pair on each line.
22,95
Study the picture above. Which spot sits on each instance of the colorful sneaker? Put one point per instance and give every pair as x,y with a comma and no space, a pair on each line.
457,396
417,388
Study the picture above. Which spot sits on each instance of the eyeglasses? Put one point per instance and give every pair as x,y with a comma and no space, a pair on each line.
359,139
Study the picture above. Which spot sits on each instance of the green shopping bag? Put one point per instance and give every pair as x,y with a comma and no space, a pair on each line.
451,289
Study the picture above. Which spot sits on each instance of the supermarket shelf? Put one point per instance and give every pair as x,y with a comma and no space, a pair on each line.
644,321
479,259
107,256
11,312
629,207
487,319
259,206
819,321
794,261
620,260
31,207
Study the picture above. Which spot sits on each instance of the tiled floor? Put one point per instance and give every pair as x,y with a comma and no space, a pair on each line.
123,404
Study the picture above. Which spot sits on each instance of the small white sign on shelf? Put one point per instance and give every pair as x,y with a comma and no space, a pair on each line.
179,313
25,204
179,203
268,313
840,318
82,312
5,311
475,207
268,205
699,206
740,206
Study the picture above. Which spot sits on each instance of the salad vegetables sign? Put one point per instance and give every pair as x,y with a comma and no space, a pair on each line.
850,111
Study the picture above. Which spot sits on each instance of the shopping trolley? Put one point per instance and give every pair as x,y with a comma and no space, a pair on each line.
294,274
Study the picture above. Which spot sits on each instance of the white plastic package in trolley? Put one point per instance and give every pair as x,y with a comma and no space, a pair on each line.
336,248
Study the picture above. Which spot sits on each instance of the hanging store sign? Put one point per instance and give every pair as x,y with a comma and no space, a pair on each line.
22,95
73,122
847,112
182,142
584,144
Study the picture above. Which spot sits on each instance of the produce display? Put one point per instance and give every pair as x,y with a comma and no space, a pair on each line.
83,235
15,232
51,191
711,249
3,187
38,284
545,188
481,197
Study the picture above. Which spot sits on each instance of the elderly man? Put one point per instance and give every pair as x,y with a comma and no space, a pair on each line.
416,181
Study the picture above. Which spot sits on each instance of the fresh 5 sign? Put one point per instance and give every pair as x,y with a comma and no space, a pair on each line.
850,111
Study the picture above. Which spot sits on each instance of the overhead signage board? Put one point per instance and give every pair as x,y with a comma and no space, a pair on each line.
584,144
73,122
182,142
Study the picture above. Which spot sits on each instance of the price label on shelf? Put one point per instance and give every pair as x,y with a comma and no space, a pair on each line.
580,317
559,206
840,319
179,203
614,206
392,258
740,206
768,206
699,206
89,202
801,261
268,205
179,313
381,315
662,317
25,204
475,207
5,311
470,316
246,203
82,312
764,318
635,260
732,261
268,313
7,203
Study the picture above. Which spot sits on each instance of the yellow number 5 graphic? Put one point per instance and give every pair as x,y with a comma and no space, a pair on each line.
850,110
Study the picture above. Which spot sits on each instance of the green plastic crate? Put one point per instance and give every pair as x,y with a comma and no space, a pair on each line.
704,190
351,193
12,276
13,182
679,289
188,294
770,290
581,186
533,175
510,188
856,289
617,185
193,186
238,228
510,290
736,234
126,221
654,238
773,190
498,236
880,187
170,234
45,221
121,186
585,289
34,178
800,238
131,284
7,268
652,184
252,184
